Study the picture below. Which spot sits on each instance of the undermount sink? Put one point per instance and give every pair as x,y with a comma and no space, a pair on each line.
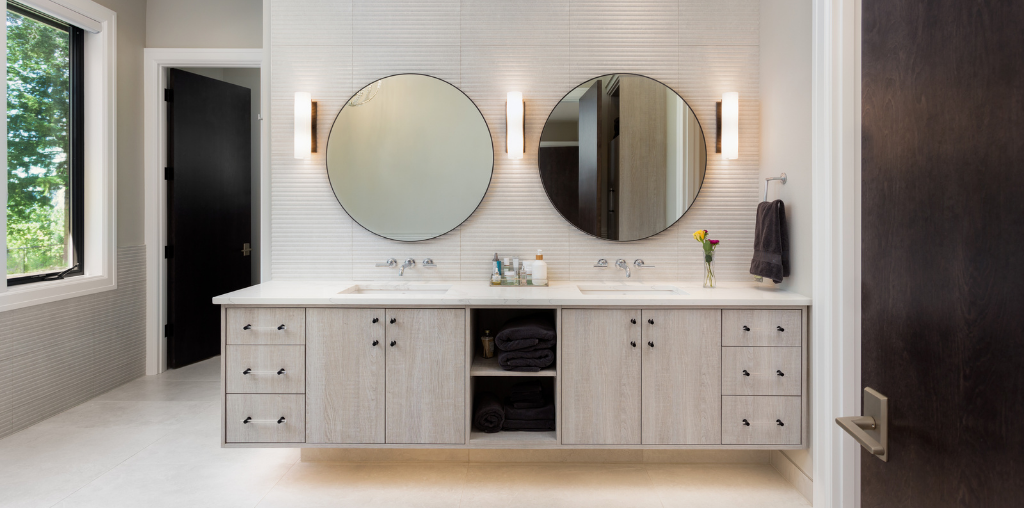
392,289
628,290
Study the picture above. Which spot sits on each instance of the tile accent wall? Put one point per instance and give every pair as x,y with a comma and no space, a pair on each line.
57,355
544,48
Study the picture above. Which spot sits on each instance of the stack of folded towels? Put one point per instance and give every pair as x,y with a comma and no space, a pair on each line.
528,409
526,344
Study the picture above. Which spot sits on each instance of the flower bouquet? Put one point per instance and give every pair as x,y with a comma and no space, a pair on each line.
709,247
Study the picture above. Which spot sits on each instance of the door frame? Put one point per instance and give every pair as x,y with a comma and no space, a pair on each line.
155,63
836,227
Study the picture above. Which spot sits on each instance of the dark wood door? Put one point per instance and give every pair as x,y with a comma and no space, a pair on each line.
943,250
592,166
208,216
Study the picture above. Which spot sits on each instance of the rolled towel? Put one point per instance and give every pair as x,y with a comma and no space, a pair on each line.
545,412
488,413
526,332
526,361
529,425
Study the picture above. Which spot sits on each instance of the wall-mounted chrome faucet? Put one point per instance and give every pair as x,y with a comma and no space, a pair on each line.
390,263
640,264
621,263
409,263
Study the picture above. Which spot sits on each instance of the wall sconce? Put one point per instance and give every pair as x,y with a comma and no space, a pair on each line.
727,112
305,126
515,127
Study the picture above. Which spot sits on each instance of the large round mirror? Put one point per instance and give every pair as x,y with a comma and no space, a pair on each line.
622,157
410,157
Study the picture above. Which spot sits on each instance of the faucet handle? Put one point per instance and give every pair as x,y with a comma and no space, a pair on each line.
429,263
409,262
601,263
391,263
640,264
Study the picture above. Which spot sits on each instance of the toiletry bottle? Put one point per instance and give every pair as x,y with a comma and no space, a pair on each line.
527,274
497,263
517,270
495,276
487,343
508,277
540,270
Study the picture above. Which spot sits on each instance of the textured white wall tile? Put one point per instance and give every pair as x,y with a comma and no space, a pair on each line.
512,23
544,49
405,22
719,22
310,23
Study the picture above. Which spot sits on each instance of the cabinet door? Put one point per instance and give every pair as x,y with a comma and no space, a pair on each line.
426,376
345,361
682,377
601,357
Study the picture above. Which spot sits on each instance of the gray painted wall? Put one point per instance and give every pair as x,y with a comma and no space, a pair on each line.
204,24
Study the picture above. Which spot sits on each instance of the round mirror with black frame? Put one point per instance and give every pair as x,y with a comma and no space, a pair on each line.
410,157
622,157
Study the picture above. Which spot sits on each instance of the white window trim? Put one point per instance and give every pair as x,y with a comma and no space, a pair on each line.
100,171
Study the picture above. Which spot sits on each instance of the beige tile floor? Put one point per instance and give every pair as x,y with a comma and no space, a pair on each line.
154,443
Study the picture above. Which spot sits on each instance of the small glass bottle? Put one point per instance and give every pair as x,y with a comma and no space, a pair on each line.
487,343
495,276
517,269
508,277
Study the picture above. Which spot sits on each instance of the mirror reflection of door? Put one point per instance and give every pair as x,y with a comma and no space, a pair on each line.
622,157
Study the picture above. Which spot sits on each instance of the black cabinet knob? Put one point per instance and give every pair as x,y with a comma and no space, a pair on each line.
779,423
282,327
282,372
247,419
779,373
651,321
632,321
393,343
247,327
745,373
746,328
375,343
649,343
280,420
246,372
632,343
746,423
779,328
375,320
393,320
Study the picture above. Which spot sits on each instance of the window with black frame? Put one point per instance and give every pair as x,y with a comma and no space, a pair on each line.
45,169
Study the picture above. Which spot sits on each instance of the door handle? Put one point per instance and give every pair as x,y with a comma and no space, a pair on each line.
872,429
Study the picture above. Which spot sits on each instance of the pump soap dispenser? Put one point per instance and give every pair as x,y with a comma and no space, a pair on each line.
540,270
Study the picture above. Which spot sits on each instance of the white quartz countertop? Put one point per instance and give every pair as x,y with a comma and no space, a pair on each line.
465,293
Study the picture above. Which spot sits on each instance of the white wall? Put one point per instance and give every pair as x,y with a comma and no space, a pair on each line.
204,24
544,48
786,141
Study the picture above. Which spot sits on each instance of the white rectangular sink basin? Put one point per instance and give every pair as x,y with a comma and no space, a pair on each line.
394,289
627,290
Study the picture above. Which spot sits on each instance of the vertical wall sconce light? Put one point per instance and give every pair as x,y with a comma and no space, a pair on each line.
515,128
728,123
305,125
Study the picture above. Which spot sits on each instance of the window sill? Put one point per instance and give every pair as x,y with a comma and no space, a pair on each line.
27,295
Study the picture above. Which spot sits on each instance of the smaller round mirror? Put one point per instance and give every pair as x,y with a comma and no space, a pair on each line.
410,157
622,157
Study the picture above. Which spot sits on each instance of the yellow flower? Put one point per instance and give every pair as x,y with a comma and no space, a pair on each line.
699,235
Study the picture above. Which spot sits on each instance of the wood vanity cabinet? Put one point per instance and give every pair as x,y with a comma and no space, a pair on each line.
391,376
641,377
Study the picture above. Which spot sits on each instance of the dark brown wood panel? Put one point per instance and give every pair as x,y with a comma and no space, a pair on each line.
943,249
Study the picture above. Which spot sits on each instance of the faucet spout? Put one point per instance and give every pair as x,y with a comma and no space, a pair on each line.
408,263
622,264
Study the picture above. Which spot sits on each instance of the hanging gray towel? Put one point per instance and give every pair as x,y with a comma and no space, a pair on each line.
771,242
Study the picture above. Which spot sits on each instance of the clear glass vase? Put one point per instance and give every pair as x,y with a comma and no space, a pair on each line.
709,269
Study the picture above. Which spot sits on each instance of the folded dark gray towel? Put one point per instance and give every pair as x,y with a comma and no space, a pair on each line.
771,242
526,332
527,387
528,405
529,425
526,361
545,412
488,413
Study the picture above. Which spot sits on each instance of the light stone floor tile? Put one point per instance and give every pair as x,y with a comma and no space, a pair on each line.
155,442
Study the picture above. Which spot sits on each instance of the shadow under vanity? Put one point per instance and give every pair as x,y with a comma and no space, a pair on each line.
410,157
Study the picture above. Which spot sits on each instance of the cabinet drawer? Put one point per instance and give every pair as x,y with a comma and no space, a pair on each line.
761,371
769,420
761,328
255,418
265,326
265,369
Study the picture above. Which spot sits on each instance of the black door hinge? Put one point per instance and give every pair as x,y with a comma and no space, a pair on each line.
168,330
168,95
168,173
168,252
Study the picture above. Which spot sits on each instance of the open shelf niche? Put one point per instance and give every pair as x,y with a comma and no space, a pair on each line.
492,319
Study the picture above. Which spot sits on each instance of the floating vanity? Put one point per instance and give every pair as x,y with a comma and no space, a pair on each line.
638,365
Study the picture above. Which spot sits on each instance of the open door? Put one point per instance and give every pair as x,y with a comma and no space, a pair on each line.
593,162
208,216
943,251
